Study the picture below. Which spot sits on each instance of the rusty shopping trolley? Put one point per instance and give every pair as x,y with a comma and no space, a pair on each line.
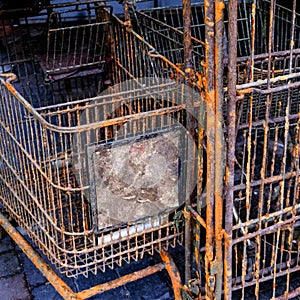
257,241
190,125
95,154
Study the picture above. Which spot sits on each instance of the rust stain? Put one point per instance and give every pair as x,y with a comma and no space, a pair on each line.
121,281
173,273
219,11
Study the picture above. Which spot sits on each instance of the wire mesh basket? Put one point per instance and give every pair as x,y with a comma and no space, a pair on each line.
98,155
266,189
62,159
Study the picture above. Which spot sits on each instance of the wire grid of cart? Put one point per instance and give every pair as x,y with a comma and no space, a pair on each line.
67,117
257,241
265,190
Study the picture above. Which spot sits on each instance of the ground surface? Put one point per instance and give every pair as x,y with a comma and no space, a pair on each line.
21,280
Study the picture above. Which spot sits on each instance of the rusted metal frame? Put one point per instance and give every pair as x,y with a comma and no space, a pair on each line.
36,165
62,288
186,13
121,281
273,121
196,216
210,148
173,273
277,89
283,165
292,41
127,13
76,129
293,294
66,292
264,158
219,143
247,185
169,27
231,138
200,193
265,56
265,275
248,87
270,229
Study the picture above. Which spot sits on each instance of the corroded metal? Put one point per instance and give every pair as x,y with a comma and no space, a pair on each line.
242,57
220,49
188,68
231,133
65,291
210,148
173,273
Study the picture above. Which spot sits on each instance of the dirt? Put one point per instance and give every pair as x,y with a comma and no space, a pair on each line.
136,179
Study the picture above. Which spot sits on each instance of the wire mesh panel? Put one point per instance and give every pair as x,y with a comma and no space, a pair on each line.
266,191
103,156
60,161
59,48
163,28
265,180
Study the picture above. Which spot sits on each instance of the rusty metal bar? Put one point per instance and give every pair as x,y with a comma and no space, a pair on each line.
292,41
196,215
186,14
293,294
219,143
268,230
210,149
121,281
249,142
231,135
271,39
266,274
264,55
246,88
173,273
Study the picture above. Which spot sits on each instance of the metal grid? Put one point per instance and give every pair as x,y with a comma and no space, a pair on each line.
163,28
265,142
44,166
244,245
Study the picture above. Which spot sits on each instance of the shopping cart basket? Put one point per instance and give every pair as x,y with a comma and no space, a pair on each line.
63,159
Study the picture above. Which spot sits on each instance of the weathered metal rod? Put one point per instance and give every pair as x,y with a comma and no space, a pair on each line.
219,142
231,133
186,12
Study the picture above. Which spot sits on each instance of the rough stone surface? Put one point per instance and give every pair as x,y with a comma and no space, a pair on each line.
44,292
14,288
9,264
34,276
6,245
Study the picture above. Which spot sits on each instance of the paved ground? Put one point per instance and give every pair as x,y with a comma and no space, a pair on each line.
21,280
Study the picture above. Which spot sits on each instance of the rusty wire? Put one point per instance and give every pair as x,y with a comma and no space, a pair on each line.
242,58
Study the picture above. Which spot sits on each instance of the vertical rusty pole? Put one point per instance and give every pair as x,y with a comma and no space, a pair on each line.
186,13
127,13
219,144
231,137
210,148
